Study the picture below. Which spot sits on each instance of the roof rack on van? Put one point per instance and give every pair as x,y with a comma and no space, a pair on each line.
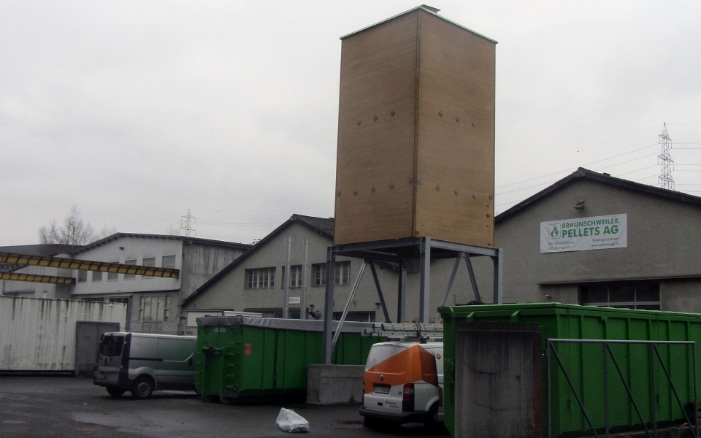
407,331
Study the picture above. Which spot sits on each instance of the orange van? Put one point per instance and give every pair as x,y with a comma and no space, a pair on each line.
403,383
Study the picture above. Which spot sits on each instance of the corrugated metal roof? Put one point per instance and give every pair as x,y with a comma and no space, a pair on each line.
43,250
118,236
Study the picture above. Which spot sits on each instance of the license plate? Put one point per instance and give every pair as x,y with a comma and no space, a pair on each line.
382,389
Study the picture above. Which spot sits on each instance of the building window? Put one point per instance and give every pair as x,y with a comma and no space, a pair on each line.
262,278
113,276
295,276
82,276
154,309
630,295
149,262
129,262
96,276
168,262
319,273
341,273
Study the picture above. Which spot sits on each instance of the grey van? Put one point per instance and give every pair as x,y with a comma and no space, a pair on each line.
143,363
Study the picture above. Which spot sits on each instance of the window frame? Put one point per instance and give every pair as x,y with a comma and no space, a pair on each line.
131,262
149,262
295,277
341,276
341,273
612,291
166,261
259,278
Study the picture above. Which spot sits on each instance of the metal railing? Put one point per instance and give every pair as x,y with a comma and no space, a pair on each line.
624,365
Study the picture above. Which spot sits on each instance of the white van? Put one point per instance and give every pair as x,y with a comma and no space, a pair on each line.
403,383
142,363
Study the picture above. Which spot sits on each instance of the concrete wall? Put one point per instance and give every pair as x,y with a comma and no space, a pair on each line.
334,384
497,380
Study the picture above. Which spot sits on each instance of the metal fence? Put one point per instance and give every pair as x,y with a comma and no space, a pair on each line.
598,387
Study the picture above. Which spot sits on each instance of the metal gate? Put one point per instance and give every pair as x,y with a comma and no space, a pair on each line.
599,387
87,338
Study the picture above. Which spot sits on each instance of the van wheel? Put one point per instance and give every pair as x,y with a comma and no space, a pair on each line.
114,391
142,388
370,422
432,418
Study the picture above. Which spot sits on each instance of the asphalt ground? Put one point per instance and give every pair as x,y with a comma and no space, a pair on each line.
74,407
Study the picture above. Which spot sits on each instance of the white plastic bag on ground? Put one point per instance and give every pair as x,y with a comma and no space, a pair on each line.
290,421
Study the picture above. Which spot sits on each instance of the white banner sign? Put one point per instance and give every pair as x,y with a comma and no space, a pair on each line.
582,234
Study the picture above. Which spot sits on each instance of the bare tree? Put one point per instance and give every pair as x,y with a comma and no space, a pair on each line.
73,232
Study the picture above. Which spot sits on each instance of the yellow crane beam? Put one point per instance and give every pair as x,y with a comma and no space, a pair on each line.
87,265
15,276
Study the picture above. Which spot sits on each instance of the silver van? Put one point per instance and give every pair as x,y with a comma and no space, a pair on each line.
143,363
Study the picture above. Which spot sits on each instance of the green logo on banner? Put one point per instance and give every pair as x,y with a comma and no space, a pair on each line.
554,231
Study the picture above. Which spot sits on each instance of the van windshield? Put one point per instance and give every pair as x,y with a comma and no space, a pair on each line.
111,345
380,353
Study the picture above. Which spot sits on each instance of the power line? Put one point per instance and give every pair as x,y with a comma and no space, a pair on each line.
518,186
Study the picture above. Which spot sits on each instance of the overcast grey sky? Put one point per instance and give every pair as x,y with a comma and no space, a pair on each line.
136,111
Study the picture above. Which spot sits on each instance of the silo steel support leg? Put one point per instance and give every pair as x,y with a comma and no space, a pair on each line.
425,289
328,304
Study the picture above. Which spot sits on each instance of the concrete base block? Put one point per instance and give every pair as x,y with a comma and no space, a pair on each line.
334,384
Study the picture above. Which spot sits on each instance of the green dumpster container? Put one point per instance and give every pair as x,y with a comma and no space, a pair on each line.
652,378
246,358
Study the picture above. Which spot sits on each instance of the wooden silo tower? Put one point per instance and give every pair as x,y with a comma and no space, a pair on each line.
416,132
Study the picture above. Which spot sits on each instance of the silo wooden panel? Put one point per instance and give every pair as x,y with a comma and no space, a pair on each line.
455,160
416,133
376,139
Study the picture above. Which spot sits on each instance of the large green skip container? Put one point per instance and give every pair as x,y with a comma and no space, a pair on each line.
585,366
262,359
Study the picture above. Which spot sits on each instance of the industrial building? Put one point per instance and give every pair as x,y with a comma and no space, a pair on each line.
255,282
594,239
649,259
153,301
